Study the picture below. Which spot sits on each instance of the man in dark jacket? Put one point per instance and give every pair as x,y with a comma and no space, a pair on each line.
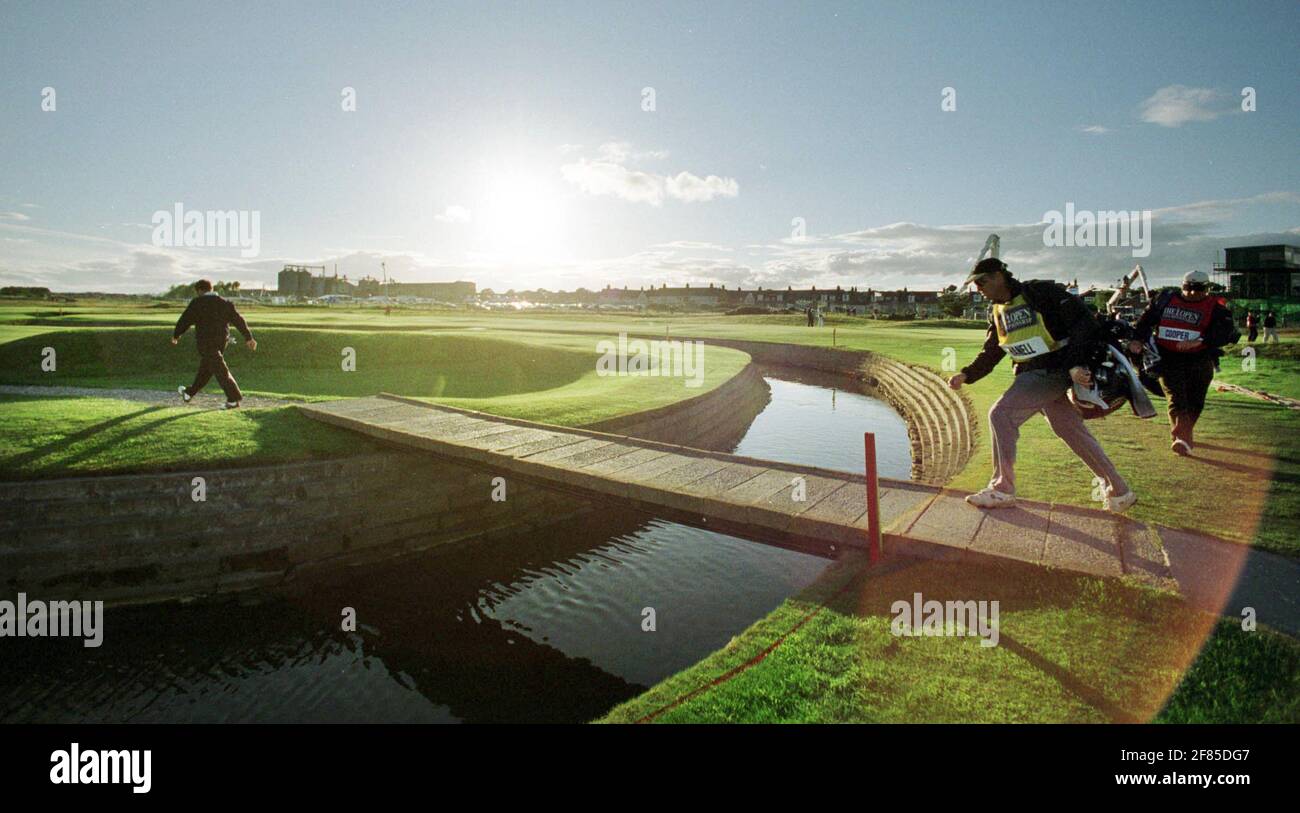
211,316
1189,327
1049,333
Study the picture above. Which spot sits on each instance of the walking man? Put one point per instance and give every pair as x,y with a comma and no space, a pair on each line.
1047,332
211,316
1252,326
1190,326
1270,328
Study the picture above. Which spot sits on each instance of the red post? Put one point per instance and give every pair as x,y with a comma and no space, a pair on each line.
873,499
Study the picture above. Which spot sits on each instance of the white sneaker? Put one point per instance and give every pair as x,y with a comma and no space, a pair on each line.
185,396
231,405
1181,447
1119,503
991,498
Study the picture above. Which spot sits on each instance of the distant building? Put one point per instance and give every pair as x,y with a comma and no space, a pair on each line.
1262,272
440,291
837,299
298,281
311,282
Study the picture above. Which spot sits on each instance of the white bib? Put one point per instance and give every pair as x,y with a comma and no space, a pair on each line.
1175,334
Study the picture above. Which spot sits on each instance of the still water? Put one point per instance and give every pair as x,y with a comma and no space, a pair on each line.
541,627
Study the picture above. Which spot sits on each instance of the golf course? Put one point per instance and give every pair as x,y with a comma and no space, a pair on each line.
1074,647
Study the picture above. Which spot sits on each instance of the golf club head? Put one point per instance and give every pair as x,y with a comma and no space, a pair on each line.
990,249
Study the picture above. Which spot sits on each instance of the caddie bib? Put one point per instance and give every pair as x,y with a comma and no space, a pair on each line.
1183,321
1021,332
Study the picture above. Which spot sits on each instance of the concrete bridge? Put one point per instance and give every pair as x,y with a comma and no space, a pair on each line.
759,498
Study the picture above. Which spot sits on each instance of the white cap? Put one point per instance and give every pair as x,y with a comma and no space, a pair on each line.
1196,278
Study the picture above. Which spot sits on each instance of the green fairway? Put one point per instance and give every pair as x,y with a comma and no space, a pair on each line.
1070,649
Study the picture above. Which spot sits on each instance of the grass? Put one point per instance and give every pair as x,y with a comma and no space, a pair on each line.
1276,367
547,378
46,437
1071,649
299,363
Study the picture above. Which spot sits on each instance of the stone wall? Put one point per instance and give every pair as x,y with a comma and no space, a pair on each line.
940,421
141,538
714,420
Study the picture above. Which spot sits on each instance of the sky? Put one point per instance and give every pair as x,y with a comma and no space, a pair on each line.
565,145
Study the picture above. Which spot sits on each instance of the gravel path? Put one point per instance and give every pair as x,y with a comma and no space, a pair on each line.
203,400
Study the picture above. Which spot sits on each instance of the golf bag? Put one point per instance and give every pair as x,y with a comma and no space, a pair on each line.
1114,379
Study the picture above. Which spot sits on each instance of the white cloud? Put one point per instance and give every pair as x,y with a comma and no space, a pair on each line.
18,217
608,174
622,152
1095,129
694,245
607,178
692,188
454,214
918,256
1175,105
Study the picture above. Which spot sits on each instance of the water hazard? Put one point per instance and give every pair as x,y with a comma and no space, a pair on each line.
541,627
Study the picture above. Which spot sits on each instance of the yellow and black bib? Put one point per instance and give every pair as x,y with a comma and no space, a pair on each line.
1021,332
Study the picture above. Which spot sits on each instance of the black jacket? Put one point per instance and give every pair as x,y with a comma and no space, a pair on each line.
1220,332
210,315
1063,314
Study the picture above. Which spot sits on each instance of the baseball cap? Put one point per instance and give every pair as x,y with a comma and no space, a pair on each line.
985,266
1196,278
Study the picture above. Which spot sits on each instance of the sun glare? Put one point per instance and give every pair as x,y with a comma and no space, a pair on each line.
522,217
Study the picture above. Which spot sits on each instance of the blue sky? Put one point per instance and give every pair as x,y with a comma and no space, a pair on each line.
506,142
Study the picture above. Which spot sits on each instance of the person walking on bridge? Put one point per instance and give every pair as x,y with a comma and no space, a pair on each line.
211,316
1048,333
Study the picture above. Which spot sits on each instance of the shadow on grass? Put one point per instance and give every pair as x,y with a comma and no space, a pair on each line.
68,441
1117,649
1248,453
1254,471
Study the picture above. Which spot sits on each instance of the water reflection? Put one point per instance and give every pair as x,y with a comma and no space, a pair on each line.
539,627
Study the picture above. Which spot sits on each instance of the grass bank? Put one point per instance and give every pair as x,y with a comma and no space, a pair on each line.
1070,649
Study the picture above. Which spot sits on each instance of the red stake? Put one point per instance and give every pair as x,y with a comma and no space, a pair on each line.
873,499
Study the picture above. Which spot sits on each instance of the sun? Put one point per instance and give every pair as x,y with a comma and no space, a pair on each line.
523,215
